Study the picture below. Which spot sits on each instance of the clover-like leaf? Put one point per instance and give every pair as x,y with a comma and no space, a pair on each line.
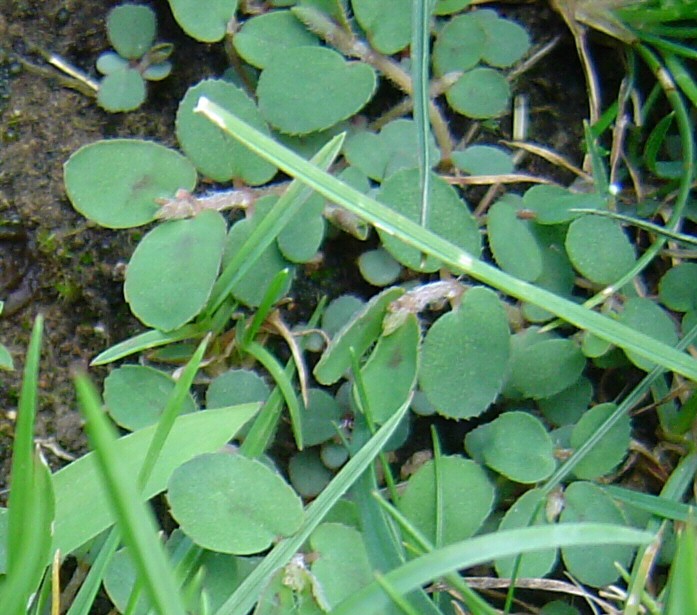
483,160
465,354
513,243
136,395
339,312
378,268
545,367
131,30
677,289
172,271
595,566
527,511
308,475
480,93
122,90
567,406
646,316
355,337
320,418
236,386
110,62
554,204
459,45
394,148
449,217
306,89
467,499
214,153
389,375
387,24
264,35
342,565
302,237
206,24
610,450
505,42
230,504
116,183
251,288
517,445
599,249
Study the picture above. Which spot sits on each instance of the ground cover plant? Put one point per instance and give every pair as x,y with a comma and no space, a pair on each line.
476,320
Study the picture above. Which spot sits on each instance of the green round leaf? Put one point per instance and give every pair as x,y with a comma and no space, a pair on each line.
236,386
678,288
301,238
342,566
545,368
172,271
513,244
333,455
599,249
505,43
449,217
320,418
378,268
553,204
252,287
339,312
567,406
483,160
157,72
480,94
136,395
517,446
646,316
394,148
228,503
389,375
307,89
308,475
459,45
593,565
465,356
355,337
535,564
122,90
216,154
131,30
612,448
207,25
387,24
116,183
264,35
467,499
110,62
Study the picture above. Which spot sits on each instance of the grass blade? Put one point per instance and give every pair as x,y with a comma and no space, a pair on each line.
427,568
427,242
245,596
135,520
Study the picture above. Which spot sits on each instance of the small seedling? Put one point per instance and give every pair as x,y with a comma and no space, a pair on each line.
131,29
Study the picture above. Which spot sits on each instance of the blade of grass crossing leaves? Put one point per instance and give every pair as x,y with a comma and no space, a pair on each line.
673,491
88,590
420,57
245,596
134,519
31,500
269,228
682,589
481,549
427,242
472,600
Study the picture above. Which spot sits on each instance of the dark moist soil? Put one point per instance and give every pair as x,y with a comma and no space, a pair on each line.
54,262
